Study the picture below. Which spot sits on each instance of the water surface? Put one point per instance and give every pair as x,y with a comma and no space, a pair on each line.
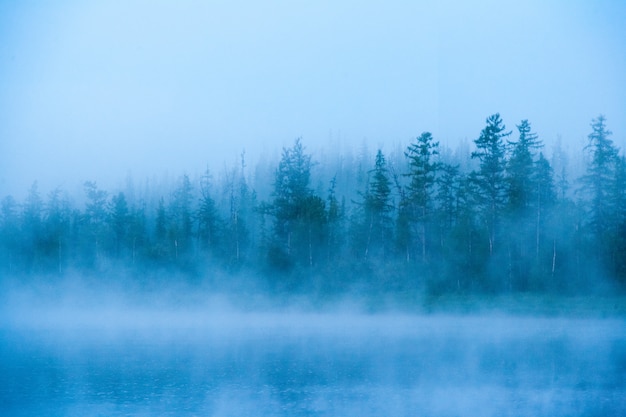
194,363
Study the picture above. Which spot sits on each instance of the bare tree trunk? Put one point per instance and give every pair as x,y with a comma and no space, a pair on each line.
553,257
423,242
369,237
60,257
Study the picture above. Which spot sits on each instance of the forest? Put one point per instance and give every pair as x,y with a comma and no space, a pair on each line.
501,216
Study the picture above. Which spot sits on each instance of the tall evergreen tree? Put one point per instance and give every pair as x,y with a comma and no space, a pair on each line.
162,247
490,151
618,232
209,221
446,197
377,208
137,232
94,227
57,217
299,215
559,164
520,169
599,180
420,190
119,221
181,218
335,215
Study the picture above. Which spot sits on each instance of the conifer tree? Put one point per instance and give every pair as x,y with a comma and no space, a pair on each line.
599,181
162,247
181,218
94,222
209,222
56,229
520,169
377,208
420,190
490,151
119,220
335,215
299,215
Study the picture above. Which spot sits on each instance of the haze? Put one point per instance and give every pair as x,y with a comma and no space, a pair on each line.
109,359
98,90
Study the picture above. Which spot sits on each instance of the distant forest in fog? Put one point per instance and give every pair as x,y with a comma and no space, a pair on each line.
502,217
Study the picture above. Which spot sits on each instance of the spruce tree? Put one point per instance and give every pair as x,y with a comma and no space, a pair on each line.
599,181
377,208
119,222
490,151
208,219
299,214
420,190
520,169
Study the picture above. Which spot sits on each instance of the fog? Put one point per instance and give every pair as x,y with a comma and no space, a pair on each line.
76,350
169,246
94,91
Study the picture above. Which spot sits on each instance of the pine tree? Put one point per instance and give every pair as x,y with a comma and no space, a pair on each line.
468,251
56,229
94,223
181,218
420,190
137,232
161,248
618,231
209,222
446,213
299,215
542,201
446,197
119,220
377,209
490,151
520,169
335,216
241,225
599,180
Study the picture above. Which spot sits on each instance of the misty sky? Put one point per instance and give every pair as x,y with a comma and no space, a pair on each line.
94,90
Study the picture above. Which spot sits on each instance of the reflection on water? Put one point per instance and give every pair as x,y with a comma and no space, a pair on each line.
294,365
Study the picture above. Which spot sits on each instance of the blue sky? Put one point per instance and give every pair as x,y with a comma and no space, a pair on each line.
94,90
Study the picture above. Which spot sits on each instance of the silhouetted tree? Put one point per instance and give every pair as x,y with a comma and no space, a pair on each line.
618,231
598,183
119,221
162,247
490,151
420,190
181,221
377,208
56,225
520,169
336,218
209,222
138,233
299,215
94,223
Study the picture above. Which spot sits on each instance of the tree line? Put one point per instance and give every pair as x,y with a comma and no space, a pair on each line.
500,221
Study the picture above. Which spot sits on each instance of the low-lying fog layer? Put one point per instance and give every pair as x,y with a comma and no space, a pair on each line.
105,360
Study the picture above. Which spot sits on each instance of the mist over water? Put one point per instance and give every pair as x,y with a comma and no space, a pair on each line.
312,209
115,356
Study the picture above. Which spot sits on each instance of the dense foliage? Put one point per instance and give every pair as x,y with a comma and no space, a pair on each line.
426,219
